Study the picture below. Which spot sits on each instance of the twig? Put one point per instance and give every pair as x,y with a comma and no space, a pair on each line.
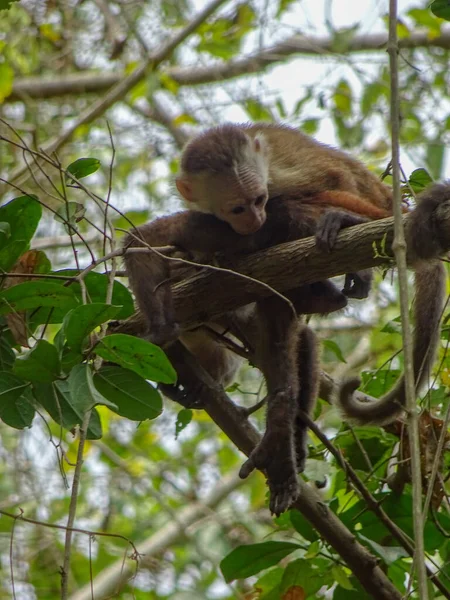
73,529
399,248
73,507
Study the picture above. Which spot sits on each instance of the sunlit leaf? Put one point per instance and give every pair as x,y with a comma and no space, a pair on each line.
83,167
6,79
419,180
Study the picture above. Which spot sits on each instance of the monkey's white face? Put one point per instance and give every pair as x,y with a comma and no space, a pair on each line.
238,194
239,201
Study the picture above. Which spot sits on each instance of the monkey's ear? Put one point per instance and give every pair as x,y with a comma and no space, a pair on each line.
185,188
259,143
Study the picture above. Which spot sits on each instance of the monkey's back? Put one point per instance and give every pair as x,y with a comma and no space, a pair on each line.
301,165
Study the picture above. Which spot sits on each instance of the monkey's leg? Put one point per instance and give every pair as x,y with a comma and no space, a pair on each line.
277,356
308,375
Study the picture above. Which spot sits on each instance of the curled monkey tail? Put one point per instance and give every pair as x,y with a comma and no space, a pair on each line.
427,238
428,306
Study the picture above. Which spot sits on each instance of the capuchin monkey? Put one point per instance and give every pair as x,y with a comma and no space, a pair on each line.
253,186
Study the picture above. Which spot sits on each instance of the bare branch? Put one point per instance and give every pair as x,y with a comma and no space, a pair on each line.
90,82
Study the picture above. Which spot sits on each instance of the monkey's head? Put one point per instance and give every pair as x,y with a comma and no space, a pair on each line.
224,172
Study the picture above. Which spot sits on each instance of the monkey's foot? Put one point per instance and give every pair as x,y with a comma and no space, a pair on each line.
187,396
357,285
275,455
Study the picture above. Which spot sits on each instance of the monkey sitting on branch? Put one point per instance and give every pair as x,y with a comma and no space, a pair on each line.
250,187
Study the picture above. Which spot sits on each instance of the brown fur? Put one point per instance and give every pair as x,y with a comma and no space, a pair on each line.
306,180
424,248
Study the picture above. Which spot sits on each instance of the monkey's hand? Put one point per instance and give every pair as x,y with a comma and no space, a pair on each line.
329,226
275,455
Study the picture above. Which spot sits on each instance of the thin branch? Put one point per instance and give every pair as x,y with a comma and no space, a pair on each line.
73,507
73,529
399,248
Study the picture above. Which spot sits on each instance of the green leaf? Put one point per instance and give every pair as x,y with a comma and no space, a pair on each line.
340,576
6,4
57,401
15,409
257,111
142,357
184,417
7,356
343,98
5,233
371,94
388,553
96,285
83,167
376,383
6,79
245,561
23,215
83,393
69,215
134,397
310,126
300,574
39,364
441,8
335,349
83,319
419,180
302,526
357,593
34,294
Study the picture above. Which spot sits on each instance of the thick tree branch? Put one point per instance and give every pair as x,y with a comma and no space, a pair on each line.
236,426
209,294
90,82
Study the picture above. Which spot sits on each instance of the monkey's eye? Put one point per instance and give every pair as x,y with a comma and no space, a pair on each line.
260,200
237,210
